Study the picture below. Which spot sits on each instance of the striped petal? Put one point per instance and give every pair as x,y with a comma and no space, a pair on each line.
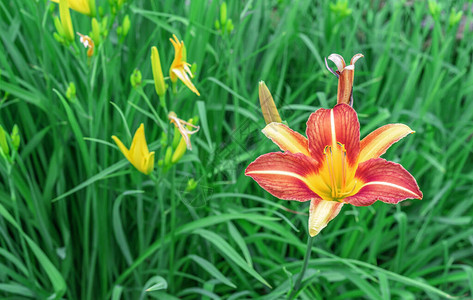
383,180
286,138
377,142
321,212
285,175
326,127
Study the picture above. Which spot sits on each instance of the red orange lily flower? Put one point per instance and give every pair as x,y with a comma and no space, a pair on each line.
332,166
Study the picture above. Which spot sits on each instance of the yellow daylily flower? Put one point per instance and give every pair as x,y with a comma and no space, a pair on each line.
179,67
138,154
81,6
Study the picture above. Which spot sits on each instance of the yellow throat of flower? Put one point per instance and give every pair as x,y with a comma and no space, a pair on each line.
337,175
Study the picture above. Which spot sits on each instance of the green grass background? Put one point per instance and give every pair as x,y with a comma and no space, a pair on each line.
77,221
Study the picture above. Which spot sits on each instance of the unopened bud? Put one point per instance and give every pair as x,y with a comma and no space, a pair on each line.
268,107
455,17
191,185
96,32
71,91
229,26
66,21
3,142
135,78
194,68
167,157
223,13
93,10
15,137
157,72
126,25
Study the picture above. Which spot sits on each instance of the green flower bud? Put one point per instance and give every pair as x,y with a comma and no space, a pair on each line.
104,24
176,138
126,25
157,72
168,157
71,91
135,78
58,38
229,26
3,142
66,21
435,9
223,13
193,68
15,137
455,17
96,32
217,25
93,11
191,185
58,25
164,140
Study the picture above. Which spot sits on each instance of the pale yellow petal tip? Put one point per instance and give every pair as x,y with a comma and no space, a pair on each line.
321,212
117,140
313,232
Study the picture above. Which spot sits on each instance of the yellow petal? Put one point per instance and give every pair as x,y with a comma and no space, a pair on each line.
139,148
122,147
286,138
81,6
182,75
377,142
149,164
321,212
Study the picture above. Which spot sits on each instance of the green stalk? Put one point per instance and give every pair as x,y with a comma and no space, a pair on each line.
308,252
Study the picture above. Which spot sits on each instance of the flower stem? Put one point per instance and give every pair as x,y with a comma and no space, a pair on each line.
308,252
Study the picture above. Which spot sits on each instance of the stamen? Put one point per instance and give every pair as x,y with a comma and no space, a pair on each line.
331,170
348,193
344,164
336,175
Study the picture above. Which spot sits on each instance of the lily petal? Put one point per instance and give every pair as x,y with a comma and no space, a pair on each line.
81,6
377,142
321,212
286,138
326,127
383,180
122,147
182,75
355,58
139,148
285,175
338,61
148,164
